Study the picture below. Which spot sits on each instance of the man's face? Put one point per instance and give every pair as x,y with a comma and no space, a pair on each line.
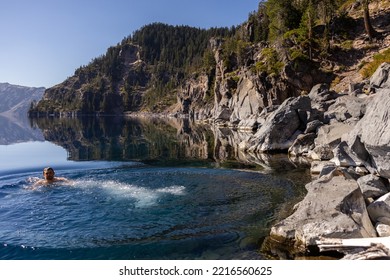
48,174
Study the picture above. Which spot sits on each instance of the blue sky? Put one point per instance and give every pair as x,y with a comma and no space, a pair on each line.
42,42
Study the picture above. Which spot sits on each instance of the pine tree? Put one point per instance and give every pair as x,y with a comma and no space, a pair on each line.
371,33
283,16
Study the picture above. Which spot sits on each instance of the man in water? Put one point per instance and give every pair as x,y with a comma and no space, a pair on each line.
49,178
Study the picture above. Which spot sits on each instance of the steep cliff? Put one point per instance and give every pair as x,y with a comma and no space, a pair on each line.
142,73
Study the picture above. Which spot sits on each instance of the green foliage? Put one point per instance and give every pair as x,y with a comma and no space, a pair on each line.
270,62
283,16
347,45
209,62
174,53
369,69
259,23
176,46
235,52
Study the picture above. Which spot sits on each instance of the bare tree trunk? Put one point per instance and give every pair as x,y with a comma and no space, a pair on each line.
367,21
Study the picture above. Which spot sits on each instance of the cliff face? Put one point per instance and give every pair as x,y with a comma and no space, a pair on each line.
235,85
238,97
100,86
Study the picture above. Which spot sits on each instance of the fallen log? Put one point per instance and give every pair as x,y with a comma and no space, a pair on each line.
357,248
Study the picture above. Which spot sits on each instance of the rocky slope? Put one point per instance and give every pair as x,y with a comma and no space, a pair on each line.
16,100
347,145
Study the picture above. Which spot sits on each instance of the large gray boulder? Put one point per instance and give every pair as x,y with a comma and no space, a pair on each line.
322,97
381,77
302,145
346,107
379,210
344,157
373,186
333,207
282,126
328,137
371,136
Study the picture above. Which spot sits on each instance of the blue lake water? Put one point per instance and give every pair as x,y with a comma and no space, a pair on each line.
138,191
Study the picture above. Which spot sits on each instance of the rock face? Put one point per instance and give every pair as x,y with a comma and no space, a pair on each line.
244,94
282,126
192,98
379,210
380,79
373,186
351,196
94,92
373,132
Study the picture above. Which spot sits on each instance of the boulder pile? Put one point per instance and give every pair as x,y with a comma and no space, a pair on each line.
346,138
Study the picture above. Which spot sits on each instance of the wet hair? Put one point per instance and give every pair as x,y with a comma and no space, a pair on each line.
48,169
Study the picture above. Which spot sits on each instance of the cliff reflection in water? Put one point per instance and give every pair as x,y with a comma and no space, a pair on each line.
146,139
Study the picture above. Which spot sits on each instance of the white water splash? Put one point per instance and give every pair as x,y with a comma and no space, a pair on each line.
144,197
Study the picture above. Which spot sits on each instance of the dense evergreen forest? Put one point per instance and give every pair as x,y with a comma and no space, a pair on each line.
285,30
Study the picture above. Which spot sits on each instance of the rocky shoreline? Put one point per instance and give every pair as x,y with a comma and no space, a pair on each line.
346,137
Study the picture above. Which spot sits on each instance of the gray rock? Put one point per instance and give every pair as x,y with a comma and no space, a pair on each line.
321,97
248,124
370,139
346,107
356,88
373,186
321,92
383,230
328,169
322,152
380,209
384,220
224,114
333,207
281,128
381,77
318,166
313,126
302,145
361,170
329,136
247,100
344,157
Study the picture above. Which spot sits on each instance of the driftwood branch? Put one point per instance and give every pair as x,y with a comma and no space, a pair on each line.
358,248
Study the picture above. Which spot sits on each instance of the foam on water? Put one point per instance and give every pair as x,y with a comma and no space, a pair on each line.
142,196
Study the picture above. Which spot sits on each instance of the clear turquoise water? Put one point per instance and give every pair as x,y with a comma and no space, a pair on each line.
133,209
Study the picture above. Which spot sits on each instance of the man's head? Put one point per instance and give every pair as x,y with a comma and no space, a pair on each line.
48,173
